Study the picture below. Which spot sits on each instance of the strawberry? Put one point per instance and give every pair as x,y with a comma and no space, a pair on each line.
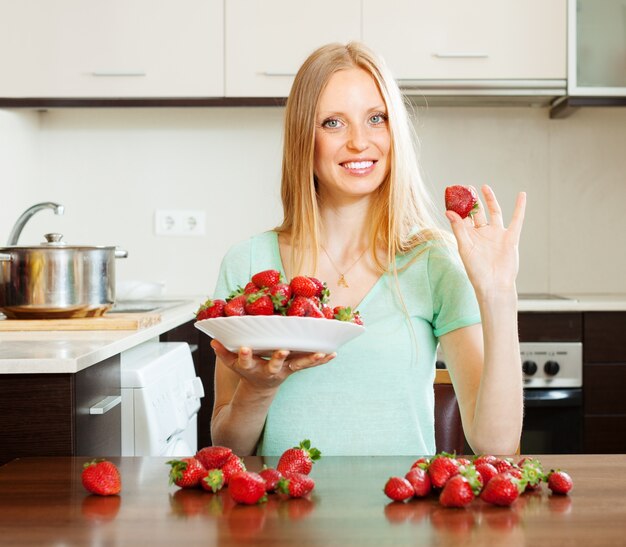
485,458
101,477
559,482
280,295
398,489
420,481
532,471
345,313
271,477
486,471
298,459
211,309
422,462
457,492
303,286
322,290
259,303
503,489
236,306
233,465
441,468
303,306
250,288
247,487
296,485
213,457
186,472
327,311
266,278
462,200
213,481
463,461
502,464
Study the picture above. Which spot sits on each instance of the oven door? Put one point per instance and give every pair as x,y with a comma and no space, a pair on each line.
553,421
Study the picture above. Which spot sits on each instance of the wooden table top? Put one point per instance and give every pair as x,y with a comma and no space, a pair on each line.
42,502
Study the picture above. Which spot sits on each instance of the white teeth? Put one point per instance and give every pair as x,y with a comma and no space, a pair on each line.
358,164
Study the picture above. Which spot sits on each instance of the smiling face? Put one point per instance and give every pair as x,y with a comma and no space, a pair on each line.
352,139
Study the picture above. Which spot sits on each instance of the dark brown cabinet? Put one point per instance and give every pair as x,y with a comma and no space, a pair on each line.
49,414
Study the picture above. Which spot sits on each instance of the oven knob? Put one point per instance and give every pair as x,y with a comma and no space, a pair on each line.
551,368
529,367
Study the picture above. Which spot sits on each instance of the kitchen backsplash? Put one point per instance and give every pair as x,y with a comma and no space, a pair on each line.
112,168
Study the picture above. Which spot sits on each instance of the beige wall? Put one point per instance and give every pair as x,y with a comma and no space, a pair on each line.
112,168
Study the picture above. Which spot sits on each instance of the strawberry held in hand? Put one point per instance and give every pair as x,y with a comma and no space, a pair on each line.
298,459
462,200
101,477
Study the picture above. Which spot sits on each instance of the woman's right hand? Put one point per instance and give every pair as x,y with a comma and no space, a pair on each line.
267,374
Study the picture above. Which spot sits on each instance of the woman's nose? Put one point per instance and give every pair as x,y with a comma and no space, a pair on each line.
357,138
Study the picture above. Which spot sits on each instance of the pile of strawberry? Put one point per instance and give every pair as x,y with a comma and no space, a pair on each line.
217,467
268,294
458,481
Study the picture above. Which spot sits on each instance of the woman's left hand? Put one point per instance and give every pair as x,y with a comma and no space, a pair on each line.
488,249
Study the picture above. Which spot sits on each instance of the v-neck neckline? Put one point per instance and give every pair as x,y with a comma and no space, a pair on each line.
366,298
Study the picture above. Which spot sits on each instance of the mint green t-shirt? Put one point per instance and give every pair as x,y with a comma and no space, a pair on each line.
376,397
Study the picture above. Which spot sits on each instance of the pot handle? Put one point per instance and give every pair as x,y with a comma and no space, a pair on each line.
5,257
121,253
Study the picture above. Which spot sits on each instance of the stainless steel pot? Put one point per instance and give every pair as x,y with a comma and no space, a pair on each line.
56,280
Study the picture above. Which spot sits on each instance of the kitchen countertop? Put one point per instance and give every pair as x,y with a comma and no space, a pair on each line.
573,303
42,502
36,352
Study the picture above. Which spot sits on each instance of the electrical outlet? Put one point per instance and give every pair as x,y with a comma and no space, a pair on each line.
181,223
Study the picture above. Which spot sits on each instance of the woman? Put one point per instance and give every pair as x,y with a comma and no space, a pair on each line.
356,215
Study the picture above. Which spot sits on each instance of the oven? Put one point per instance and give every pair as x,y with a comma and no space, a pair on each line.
553,399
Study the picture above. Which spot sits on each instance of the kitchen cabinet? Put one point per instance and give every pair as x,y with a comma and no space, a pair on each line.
88,48
604,380
267,41
441,44
49,414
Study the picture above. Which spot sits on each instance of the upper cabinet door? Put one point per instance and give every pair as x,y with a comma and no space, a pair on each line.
458,39
112,48
267,40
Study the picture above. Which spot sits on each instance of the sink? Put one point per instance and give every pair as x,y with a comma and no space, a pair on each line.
144,306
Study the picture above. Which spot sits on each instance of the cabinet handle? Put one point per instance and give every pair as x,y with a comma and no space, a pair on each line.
118,73
106,404
5,257
461,55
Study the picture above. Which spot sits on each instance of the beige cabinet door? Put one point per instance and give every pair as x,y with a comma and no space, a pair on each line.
267,40
462,40
112,48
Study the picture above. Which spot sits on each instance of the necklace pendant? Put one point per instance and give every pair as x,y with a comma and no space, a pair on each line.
342,282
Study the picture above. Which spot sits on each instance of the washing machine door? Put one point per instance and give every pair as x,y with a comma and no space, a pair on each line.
179,448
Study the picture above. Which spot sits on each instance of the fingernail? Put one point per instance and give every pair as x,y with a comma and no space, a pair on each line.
319,356
282,354
244,351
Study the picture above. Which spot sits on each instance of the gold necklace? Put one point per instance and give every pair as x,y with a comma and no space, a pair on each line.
342,282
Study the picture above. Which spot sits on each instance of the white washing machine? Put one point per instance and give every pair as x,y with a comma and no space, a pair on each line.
160,400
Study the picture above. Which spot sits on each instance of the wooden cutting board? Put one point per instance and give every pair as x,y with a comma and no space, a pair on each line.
113,321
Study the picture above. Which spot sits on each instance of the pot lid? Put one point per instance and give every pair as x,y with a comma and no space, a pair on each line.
55,241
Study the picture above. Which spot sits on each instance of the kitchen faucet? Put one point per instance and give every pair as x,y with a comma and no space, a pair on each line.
25,216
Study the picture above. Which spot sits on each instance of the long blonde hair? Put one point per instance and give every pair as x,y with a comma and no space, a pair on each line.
401,216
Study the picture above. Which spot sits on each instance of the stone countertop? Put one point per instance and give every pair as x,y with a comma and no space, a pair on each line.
37,352
573,303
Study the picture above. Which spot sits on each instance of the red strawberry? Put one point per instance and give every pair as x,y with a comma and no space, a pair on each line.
322,290
186,472
398,489
280,295
462,200
213,457
463,461
345,313
457,492
101,477
441,468
236,306
420,481
303,286
233,465
485,458
532,472
559,482
503,489
303,306
486,471
250,288
502,464
298,459
421,462
247,487
211,309
271,477
327,311
266,278
259,303
213,481
296,485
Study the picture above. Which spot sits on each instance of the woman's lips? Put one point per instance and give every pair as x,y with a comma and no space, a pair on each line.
359,167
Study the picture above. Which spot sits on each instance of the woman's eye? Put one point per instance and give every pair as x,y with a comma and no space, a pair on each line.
377,119
331,123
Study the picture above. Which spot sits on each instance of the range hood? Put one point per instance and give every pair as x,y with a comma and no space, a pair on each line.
484,92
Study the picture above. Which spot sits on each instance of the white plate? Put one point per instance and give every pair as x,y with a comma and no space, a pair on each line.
265,333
